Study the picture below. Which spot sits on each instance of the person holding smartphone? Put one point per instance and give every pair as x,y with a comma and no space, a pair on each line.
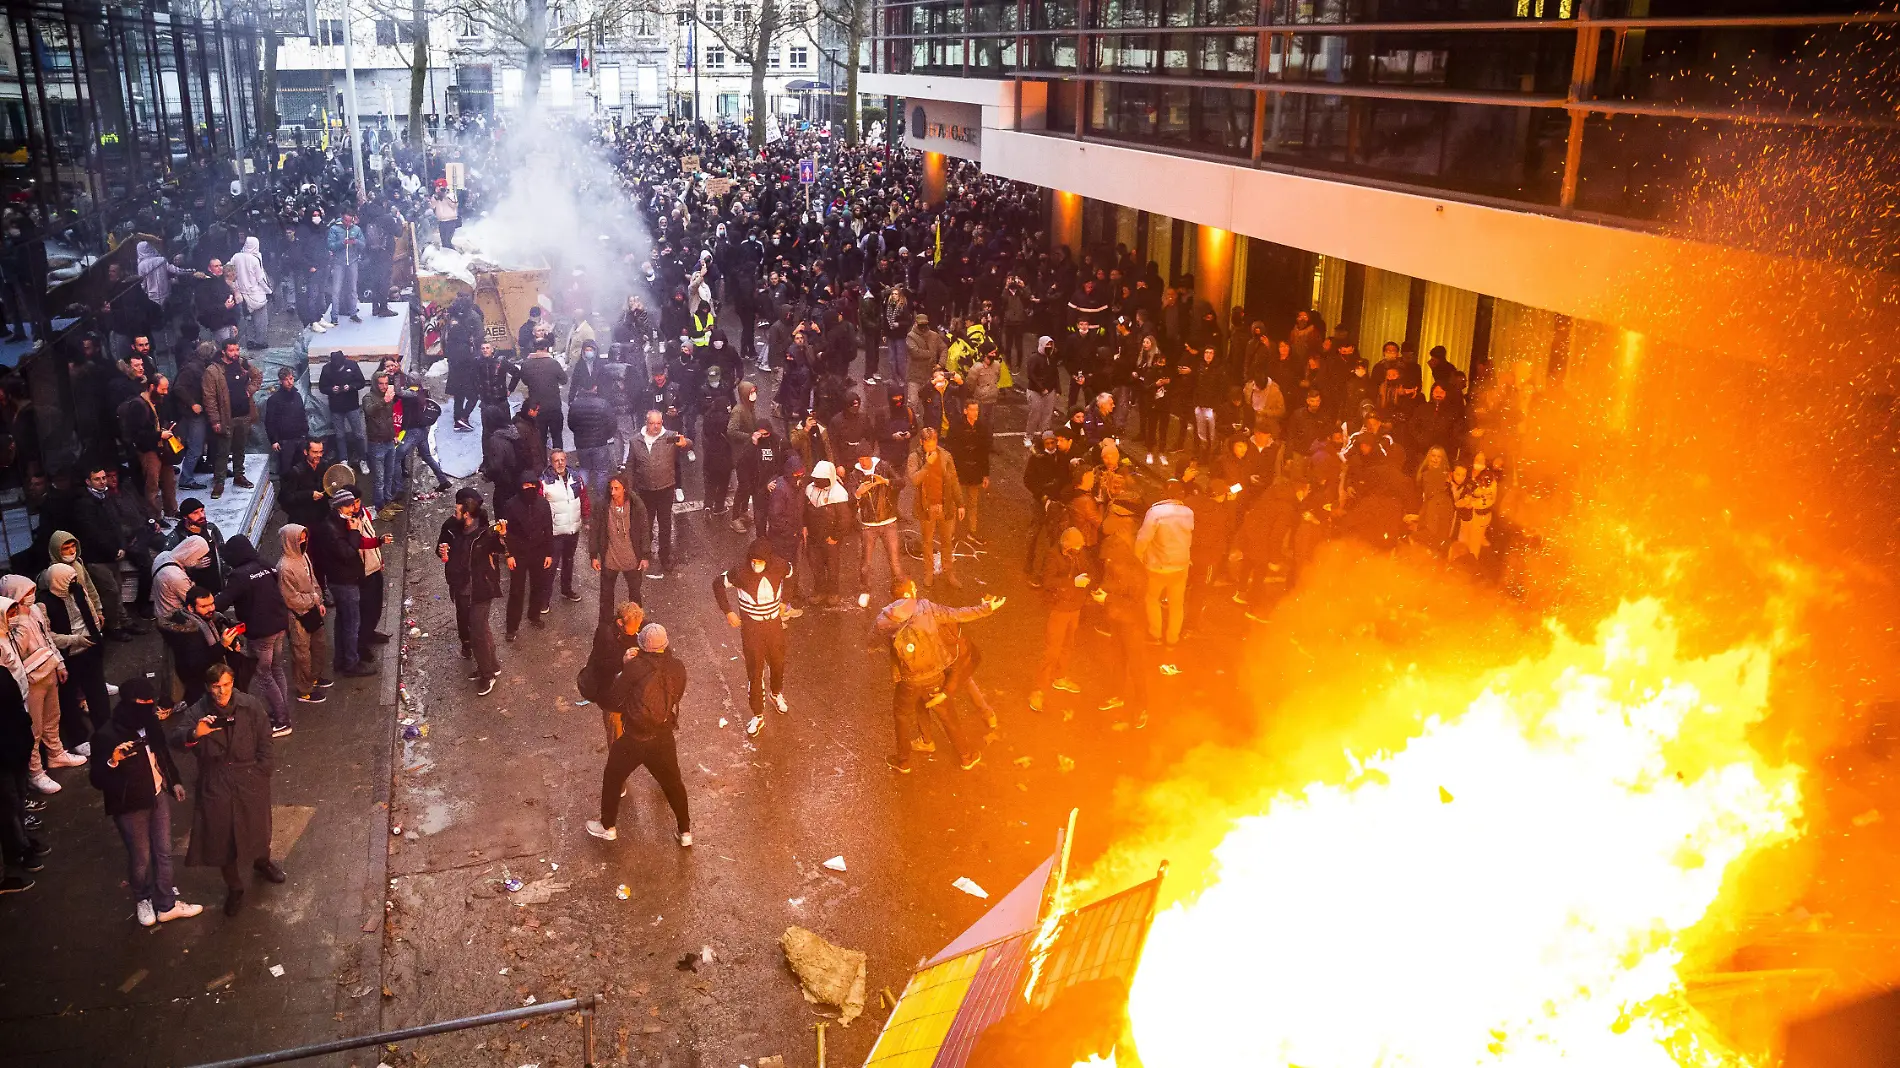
231,735
132,767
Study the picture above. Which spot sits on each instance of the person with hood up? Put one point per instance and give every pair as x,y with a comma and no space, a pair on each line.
132,767
252,591
247,277
472,556
304,612
827,521
155,275
231,824
528,532
78,632
926,641
44,669
758,613
171,573
64,548
644,701
23,853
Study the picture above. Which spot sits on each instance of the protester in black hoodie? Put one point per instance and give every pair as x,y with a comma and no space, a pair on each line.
252,592
132,767
759,615
528,533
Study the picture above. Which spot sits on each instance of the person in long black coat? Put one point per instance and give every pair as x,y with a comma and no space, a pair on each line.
528,533
231,735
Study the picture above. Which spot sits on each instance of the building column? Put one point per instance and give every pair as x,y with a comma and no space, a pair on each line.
936,173
1214,267
1065,222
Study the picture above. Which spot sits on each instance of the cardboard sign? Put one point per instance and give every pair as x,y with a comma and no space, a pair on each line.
718,187
689,164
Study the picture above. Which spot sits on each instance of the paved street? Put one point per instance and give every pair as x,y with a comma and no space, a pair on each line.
503,785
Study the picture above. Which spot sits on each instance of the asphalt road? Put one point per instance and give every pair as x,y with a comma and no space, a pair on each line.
502,786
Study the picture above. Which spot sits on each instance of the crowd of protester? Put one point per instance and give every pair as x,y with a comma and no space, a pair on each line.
833,369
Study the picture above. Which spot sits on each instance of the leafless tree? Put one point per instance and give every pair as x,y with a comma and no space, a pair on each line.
533,26
853,20
749,37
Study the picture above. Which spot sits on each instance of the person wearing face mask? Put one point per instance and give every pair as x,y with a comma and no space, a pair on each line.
828,519
132,767
75,624
752,596
528,534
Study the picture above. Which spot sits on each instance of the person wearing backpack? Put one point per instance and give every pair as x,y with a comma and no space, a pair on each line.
926,643
647,697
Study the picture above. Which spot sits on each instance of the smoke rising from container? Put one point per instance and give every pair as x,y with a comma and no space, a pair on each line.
560,204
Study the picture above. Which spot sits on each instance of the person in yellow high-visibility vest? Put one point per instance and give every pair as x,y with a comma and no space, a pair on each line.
702,326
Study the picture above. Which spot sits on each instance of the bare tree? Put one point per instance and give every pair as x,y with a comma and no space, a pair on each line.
415,15
749,39
853,19
533,26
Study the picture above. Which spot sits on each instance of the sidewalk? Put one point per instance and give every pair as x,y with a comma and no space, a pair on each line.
87,985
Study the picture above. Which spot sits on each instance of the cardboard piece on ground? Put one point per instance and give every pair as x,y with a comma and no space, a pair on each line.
827,974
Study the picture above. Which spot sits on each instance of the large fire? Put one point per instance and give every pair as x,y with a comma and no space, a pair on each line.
1521,885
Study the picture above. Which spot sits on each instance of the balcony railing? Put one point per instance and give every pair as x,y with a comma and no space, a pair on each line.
1588,113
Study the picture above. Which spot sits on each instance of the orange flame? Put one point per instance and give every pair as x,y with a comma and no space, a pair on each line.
1520,885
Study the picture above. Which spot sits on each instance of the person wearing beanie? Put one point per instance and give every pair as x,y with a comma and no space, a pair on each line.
644,704
132,766
758,584
348,553
527,529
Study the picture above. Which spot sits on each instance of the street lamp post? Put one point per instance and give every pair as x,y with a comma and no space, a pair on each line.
349,104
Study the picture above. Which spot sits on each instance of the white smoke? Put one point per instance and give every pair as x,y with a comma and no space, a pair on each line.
558,203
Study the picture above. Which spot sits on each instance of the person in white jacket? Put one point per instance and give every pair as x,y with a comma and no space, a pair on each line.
246,274
1162,546
567,499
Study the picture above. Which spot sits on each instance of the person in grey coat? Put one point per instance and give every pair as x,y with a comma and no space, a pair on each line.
231,735
653,472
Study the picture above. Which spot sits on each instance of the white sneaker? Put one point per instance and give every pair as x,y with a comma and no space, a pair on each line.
1027,444
112,689
779,700
83,749
147,918
181,910
864,600
679,494
604,833
44,783
686,839
753,725
66,760
1151,459
691,456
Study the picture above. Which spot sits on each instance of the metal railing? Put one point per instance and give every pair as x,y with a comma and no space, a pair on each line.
1579,97
586,1005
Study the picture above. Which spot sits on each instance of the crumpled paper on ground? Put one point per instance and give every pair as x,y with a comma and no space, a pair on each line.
828,974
